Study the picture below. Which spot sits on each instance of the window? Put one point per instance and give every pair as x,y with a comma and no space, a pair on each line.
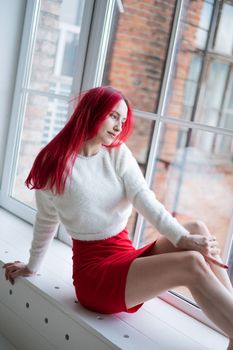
166,57
183,138
46,78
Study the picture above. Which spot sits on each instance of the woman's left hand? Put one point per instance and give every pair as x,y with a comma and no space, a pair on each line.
16,269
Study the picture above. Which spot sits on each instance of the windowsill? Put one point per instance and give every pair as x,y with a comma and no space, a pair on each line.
156,325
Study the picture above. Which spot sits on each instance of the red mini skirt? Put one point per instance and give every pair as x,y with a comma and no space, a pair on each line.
100,271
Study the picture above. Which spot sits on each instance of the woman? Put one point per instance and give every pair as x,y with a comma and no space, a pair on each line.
87,178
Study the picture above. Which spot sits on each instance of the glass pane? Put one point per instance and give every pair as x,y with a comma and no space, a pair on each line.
56,44
204,24
186,72
137,51
224,36
214,92
139,141
212,108
194,94
52,72
194,180
43,119
139,144
229,96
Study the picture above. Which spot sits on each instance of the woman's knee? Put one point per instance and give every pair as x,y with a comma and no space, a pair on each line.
196,266
197,227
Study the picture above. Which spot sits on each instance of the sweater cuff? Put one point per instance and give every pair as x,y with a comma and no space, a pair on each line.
181,233
34,264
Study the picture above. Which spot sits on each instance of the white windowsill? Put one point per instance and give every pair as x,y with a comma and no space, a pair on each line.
157,325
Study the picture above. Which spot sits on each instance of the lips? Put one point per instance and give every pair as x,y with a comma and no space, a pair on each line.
112,134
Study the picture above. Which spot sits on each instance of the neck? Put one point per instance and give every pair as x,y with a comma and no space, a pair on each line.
90,148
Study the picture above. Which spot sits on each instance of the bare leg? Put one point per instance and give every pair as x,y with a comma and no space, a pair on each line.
200,228
164,246
150,276
220,273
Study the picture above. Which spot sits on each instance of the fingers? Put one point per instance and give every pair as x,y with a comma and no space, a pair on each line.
9,274
6,266
210,246
215,261
210,249
13,270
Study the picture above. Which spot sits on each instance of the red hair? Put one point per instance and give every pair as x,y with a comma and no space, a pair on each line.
55,161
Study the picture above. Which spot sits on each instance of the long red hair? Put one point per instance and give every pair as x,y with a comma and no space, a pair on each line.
55,161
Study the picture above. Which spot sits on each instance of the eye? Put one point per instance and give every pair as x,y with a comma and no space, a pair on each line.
113,116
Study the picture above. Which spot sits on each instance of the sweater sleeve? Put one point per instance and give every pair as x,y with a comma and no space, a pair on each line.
44,229
144,200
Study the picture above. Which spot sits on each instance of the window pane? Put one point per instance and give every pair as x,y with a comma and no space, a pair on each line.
194,180
199,91
204,24
139,144
56,43
194,28
43,119
137,51
53,61
216,107
224,37
186,72
230,97
139,141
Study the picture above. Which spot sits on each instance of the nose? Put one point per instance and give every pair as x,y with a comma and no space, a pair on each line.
118,126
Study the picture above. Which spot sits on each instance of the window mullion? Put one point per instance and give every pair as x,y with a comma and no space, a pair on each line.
199,126
47,94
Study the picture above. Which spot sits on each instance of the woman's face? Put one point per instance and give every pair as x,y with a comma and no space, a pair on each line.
112,125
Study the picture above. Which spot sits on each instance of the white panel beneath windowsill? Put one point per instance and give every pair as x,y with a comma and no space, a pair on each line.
157,325
5,344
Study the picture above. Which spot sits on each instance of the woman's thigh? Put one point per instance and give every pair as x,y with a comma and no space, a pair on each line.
163,245
152,275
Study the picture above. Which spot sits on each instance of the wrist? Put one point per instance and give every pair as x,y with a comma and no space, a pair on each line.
182,243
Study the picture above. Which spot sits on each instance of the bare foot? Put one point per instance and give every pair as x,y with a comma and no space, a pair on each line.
230,345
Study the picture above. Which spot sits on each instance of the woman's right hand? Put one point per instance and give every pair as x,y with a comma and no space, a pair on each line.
206,245
15,269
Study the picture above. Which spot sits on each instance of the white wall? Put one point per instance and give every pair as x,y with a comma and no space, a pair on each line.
11,24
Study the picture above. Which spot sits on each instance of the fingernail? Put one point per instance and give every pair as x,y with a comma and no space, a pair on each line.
226,266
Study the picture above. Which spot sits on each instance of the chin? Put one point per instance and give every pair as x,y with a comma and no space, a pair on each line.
107,143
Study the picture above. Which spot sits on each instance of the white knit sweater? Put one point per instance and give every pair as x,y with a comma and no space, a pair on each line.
97,203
